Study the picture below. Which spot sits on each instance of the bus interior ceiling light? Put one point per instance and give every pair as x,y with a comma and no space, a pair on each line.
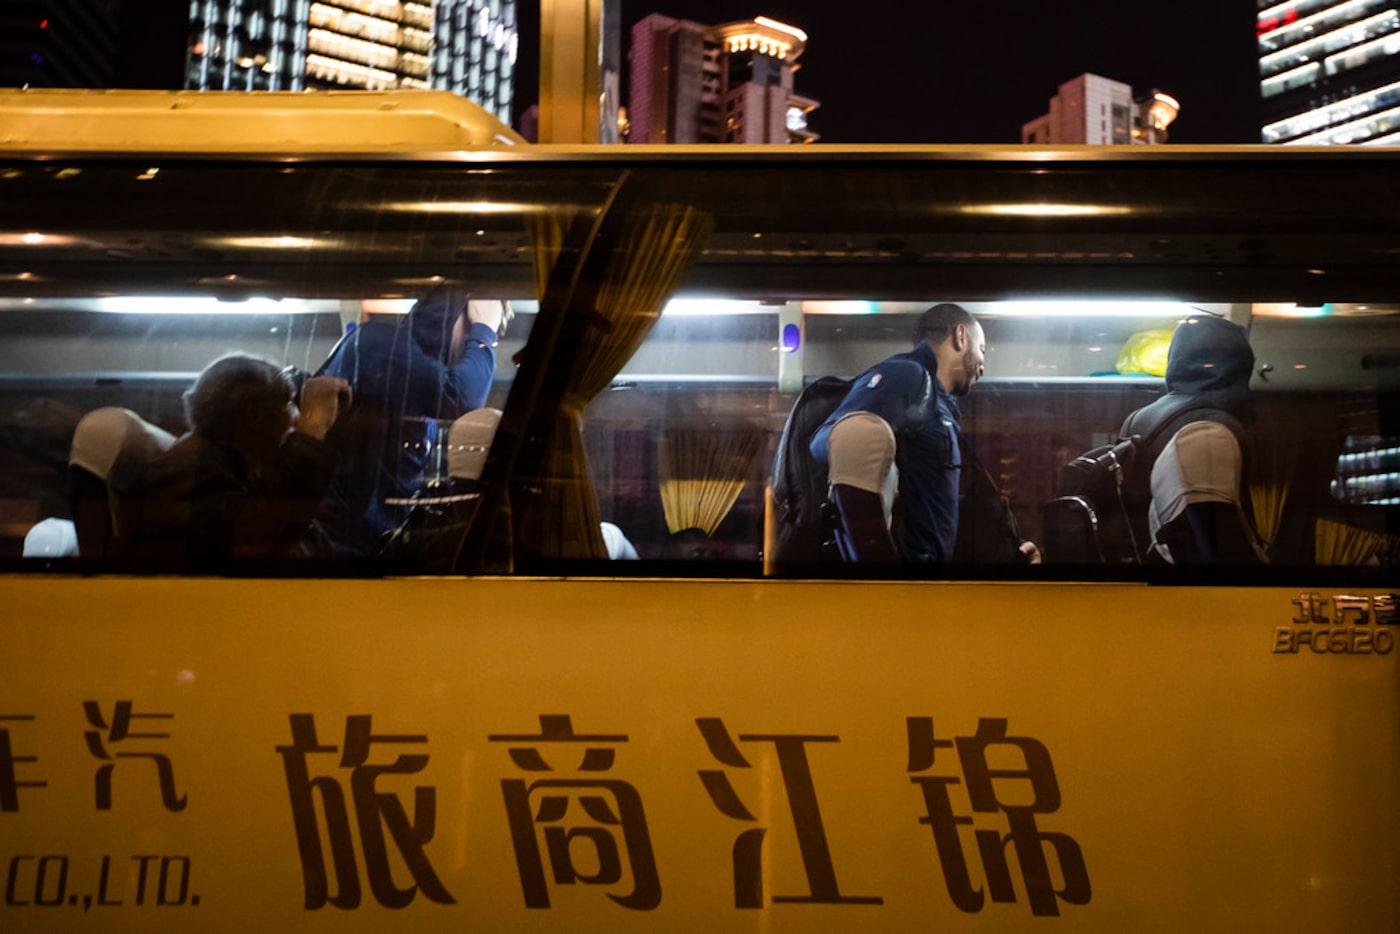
714,307
457,207
1292,310
841,308
203,305
1044,210
1095,308
386,306
35,238
277,243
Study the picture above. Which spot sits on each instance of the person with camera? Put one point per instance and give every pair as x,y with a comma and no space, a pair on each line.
409,378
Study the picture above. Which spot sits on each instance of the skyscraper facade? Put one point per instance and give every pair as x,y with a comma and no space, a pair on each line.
1093,110
465,46
732,83
1329,71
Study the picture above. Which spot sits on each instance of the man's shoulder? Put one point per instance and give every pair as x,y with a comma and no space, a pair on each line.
1173,411
1204,435
372,336
192,466
900,372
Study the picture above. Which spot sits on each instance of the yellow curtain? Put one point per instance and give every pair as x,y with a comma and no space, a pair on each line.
702,473
1337,543
656,247
1271,475
546,230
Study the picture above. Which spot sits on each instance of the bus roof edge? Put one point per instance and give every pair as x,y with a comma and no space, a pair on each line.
63,120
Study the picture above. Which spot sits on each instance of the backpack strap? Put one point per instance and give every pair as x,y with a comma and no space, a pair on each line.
1152,426
987,528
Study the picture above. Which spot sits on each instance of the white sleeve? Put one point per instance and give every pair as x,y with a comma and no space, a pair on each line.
619,548
1201,464
862,448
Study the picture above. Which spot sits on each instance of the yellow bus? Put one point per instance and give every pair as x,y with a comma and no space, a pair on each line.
573,697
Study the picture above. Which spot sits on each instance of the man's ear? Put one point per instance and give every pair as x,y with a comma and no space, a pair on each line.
959,337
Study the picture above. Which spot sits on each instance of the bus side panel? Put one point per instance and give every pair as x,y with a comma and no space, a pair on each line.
225,755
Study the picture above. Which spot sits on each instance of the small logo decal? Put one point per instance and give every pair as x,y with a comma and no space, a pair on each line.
1340,624
874,380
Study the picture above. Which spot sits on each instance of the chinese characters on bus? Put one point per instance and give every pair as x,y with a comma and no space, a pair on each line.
364,813
111,740
602,808
982,783
49,880
568,796
373,811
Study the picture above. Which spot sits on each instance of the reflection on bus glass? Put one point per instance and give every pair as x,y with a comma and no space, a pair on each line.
666,317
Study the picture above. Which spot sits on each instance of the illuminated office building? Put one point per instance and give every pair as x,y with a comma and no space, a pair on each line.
732,83
1329,71
1092,110
468,47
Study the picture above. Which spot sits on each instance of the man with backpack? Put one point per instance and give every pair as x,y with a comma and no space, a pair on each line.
903,413
1185,491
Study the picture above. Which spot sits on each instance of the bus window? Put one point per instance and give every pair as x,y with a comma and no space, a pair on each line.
1077,327
670,305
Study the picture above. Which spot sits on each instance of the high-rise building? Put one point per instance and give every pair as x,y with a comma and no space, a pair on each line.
465,46
468,47
1329,71
1100,111
732,83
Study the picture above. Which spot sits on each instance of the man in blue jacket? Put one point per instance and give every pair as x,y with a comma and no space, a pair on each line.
903,413
428,368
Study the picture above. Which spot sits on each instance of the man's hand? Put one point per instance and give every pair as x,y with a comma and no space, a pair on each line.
323,400
1030,552
489,312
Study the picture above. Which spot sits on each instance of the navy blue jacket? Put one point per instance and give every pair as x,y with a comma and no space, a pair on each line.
387,441
904,391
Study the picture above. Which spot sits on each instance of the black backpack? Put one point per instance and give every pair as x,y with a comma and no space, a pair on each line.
1099,516
801,530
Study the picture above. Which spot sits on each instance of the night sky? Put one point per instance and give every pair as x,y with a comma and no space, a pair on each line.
972,71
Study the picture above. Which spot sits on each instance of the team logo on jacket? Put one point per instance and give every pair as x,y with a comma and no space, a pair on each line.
875,380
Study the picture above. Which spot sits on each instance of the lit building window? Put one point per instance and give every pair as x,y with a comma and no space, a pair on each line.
372,44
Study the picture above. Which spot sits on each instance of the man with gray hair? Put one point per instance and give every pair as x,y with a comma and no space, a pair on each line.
247,478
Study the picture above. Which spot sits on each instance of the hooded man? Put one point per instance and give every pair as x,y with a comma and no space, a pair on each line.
1196,513
428,368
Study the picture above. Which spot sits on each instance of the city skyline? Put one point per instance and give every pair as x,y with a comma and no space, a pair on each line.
958,73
